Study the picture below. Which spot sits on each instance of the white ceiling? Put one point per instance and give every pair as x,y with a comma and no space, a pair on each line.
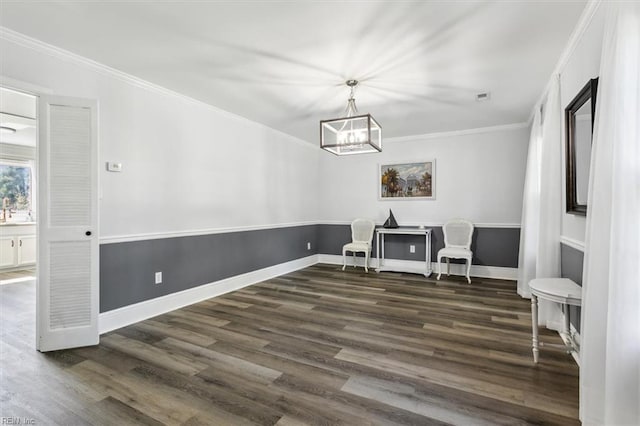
284,63
18,112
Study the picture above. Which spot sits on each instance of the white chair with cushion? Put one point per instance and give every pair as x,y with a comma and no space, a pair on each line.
361,236
457,244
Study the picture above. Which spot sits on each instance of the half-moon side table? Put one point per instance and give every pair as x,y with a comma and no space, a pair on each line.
560,290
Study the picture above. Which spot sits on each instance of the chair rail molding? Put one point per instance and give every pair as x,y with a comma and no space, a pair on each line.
578,245
125,238
427,224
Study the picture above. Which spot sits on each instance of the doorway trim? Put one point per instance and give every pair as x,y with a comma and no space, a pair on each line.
38,92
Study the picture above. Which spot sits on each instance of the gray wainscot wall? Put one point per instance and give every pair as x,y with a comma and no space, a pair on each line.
571,267
491,246
127,269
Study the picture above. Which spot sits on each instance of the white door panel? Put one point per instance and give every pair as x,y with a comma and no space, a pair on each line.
68,250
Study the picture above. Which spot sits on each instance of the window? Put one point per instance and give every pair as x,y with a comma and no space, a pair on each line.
16,186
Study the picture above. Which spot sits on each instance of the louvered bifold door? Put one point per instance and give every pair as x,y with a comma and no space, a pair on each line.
67,214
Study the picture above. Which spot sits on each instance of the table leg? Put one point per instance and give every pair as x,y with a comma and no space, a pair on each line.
567,328
382,248
534,327
426,254
378,250
429,256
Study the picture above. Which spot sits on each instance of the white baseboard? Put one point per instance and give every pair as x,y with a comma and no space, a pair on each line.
576,338
558,326
131,314
412,265
408,265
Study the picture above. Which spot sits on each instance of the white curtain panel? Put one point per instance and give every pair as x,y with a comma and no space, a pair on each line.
530,211
550,227
610,355
542,206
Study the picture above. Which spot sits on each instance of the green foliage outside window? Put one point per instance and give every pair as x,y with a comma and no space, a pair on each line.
15,187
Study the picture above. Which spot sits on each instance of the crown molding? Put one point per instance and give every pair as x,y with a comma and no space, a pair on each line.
575,37
57,52
439,135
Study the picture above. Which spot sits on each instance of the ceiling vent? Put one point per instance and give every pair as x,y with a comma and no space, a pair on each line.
480,97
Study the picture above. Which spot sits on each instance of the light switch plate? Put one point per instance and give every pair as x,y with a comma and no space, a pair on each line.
114,167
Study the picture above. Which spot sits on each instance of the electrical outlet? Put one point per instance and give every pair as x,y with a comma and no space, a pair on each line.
412,248
308,245
158,277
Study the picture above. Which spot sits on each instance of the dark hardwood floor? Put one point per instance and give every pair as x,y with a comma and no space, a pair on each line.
317,346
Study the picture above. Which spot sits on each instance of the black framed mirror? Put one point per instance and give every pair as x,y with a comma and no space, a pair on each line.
579,116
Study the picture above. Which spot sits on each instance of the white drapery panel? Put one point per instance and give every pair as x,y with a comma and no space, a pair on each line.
550,228
610,358
530,211
539,255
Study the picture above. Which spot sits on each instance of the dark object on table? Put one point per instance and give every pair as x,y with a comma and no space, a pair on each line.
391,221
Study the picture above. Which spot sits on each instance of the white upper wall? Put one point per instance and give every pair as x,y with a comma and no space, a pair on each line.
186,166
583,64
191,167
479,176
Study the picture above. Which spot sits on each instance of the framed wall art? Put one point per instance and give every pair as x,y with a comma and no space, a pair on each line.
408,181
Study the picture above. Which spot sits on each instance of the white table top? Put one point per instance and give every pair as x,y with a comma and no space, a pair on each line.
405,231
562,290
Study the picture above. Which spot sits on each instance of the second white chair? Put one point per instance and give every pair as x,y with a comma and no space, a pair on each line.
361,236
457,244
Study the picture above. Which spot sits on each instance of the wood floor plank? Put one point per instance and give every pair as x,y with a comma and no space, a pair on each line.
164,330
492,390
254,371
403,396
134,393
112,411
208,388
286,365
318,346
193,317
350,408
152,354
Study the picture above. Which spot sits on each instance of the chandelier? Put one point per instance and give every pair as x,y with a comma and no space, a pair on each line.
352,134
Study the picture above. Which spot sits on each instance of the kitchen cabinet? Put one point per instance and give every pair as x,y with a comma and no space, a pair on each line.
26,249
17,245
7,252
